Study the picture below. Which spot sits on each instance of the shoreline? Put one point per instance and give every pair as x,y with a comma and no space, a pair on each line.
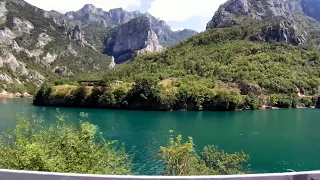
181,110
17,95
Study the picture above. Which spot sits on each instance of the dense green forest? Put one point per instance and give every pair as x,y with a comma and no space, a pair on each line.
81,148
219,69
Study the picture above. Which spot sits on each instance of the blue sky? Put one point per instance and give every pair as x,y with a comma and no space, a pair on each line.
179,14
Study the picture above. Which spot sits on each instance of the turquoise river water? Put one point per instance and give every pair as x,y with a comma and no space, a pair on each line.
276,140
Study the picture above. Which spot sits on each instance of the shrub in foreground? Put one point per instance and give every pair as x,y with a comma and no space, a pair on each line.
80,149
61,148
181,159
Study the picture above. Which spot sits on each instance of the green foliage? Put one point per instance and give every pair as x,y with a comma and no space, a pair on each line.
78,96
150,94
224,163
43,94
307,101
252,102
284,100
61,148
222,54
180,158
64,81
95,34
218,69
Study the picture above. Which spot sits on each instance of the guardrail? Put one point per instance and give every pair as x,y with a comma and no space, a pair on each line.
30,175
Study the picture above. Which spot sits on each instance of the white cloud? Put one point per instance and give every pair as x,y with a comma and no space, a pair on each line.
181,10
72,5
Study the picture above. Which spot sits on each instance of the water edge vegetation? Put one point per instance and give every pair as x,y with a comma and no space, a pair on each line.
81,148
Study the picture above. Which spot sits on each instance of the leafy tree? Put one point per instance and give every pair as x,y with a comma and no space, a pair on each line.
43,94
180,158
78,96
61,148
224,163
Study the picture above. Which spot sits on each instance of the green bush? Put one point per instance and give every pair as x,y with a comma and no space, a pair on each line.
284,100
43,94
61,148
180,158
306,102
78,96
252,102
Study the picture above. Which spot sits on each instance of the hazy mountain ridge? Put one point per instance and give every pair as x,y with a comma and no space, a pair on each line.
91,15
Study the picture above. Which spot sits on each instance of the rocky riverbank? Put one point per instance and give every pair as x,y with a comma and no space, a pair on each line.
5,94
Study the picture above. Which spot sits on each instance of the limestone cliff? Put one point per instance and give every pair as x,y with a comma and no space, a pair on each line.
291,21
130,39
96,22
34,48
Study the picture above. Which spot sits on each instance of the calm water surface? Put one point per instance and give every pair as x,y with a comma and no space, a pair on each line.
276,140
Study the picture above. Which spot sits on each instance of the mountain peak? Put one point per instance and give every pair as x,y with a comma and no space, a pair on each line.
91,9
291,21
116,10
233,11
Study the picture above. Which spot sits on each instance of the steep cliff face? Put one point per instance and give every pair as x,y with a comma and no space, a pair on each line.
311,8
95,17
130,39
234,12
291,21
165,35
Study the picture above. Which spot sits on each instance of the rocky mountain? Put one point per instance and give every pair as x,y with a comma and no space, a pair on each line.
130,39
34,49
92,17
292,21
38,45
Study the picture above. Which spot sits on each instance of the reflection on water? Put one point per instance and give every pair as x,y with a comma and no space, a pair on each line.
277,140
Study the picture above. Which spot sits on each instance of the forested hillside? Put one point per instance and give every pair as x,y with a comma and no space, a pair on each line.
219,69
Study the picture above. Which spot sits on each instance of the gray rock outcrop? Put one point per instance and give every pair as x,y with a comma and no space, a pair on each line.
9,60
43,40
6,78
22,26
112,63
91,15
3,12
130,39
6,36
234,11
78,35
285,21
62,71
16,48
281,31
